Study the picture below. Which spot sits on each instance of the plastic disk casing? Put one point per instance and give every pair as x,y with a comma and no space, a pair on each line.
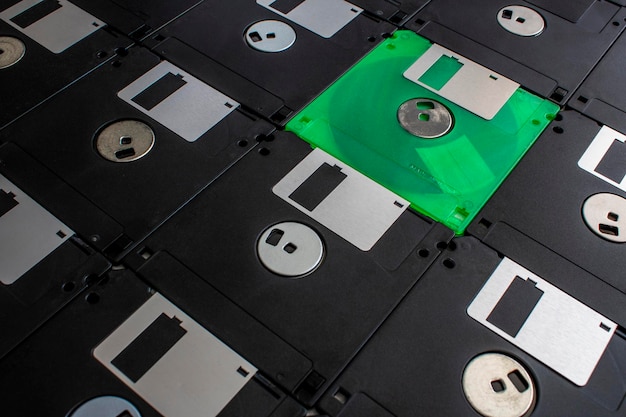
448,178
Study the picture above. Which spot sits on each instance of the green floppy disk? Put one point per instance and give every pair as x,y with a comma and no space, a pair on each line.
428,124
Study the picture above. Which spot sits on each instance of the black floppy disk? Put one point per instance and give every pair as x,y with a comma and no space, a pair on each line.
306,245
44,263
44,47
124,350
568,194
601,95
480,334
273,58
547,46
147,138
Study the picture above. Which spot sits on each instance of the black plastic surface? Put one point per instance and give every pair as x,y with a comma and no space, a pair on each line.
63,274
543,199
603,94
396,12
46,288
562,56
381,333
313,62
54,370
42,73
136,18
414,364
327,315
138,195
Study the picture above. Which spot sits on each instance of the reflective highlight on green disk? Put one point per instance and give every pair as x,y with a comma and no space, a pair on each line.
448,178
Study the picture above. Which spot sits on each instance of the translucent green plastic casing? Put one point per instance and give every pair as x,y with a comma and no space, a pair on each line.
449,178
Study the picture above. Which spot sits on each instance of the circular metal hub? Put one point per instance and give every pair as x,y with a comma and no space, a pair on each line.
125,141
425,118
521,21
11,51
497,385
290,249
605,215
104,407
270,36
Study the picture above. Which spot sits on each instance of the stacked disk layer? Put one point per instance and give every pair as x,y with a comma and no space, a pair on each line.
312,208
